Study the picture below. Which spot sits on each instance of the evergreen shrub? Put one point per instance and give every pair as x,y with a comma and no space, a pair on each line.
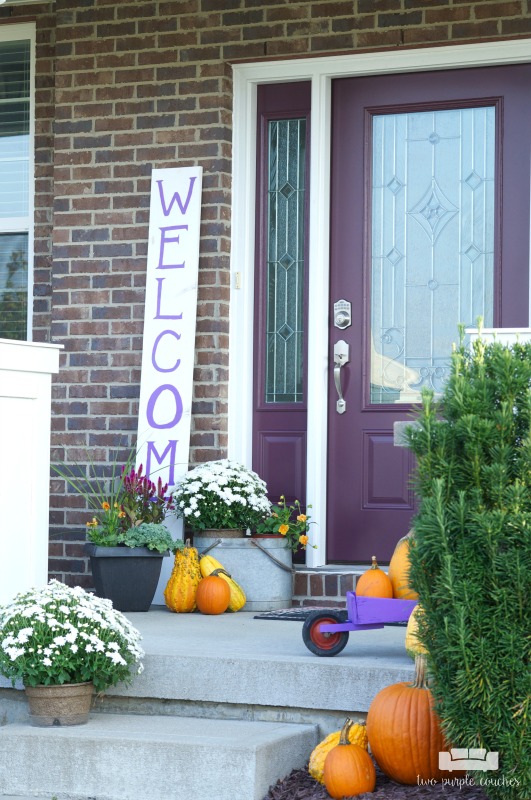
471,559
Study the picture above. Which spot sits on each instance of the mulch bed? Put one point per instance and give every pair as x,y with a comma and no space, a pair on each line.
300,786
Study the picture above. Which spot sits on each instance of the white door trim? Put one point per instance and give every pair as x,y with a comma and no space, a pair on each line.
320,71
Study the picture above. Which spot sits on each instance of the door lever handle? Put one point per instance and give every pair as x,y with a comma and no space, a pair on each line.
341,357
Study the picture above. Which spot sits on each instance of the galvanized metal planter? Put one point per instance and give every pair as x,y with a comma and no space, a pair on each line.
265,577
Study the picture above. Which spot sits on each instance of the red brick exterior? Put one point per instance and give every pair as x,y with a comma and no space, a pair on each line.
121,88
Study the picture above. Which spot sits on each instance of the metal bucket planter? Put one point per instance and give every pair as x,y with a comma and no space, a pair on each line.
65,704
128,576
265,577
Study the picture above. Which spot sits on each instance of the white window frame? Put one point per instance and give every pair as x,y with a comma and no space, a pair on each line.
320,71
13,33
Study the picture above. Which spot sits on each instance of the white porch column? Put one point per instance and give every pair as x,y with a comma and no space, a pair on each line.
26,370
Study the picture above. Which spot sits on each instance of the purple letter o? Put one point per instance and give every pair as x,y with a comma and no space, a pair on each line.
151,407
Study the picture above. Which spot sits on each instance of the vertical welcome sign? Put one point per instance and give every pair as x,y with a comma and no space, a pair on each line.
169,323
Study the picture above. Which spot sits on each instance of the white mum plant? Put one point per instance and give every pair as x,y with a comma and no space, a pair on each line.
62,635
221,494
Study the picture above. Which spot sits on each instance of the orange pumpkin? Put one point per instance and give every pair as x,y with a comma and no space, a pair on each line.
399,569
404,731
348,768
213,595
374,582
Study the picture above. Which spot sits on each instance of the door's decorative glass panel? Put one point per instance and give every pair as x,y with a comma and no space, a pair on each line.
285,261
432,243
13,285
14,128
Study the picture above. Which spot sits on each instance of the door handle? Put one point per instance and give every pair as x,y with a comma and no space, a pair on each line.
341,357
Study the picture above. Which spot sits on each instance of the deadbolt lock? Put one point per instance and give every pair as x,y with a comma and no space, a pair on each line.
342,314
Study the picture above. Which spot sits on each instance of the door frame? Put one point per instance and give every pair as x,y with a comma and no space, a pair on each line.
321,71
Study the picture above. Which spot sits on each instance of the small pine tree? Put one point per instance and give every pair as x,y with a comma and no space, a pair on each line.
471,559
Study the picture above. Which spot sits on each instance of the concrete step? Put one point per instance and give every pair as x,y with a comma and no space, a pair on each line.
127,757
234,666
253,666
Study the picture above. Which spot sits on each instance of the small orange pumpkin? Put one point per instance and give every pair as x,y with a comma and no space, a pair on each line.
374,582
399,569
348,768
213,595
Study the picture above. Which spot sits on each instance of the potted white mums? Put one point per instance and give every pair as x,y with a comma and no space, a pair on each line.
221,496
64,644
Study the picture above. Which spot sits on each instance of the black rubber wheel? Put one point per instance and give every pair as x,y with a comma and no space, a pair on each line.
324,644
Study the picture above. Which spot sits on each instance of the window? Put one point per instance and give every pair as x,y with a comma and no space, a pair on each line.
285,260
281,296
16,175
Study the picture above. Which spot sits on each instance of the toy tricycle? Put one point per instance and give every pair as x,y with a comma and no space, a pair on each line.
326,632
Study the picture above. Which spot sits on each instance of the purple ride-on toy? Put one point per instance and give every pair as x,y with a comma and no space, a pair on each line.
325,633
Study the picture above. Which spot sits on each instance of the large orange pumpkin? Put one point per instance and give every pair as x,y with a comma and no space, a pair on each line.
374,582
213,595
348,768
404,731
399,569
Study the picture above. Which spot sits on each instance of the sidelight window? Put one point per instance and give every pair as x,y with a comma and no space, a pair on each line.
15,186
285,260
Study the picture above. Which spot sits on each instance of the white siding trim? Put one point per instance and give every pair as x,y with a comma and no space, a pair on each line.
320,71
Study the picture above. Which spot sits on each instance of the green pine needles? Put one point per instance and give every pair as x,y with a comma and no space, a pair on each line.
471,560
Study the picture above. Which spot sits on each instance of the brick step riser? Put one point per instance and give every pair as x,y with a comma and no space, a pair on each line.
325,589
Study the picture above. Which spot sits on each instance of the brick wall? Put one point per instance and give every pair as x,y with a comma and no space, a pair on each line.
133,86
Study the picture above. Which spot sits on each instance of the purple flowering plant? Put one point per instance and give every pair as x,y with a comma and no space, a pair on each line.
129,511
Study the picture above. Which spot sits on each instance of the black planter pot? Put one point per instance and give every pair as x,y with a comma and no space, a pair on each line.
126,575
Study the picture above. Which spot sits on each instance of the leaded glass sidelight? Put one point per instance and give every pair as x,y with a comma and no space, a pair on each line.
285,261
432,243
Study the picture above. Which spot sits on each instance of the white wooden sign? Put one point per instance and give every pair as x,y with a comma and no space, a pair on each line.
169,324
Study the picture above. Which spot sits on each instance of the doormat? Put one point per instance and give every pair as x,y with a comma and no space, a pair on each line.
293,613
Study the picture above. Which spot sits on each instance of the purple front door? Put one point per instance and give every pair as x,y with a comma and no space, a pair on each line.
429,229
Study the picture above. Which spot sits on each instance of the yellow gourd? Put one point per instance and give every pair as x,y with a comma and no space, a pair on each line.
399,569
210,566
181,589
357,734
413,646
